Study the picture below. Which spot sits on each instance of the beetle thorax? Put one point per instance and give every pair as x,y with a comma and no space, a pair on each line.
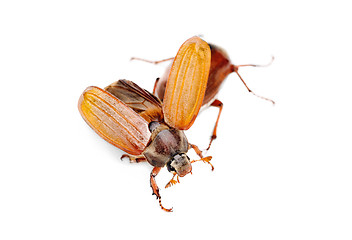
166,142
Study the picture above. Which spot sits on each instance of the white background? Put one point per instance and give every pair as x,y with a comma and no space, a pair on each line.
281,172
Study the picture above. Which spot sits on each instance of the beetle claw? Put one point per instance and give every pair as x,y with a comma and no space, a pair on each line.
205,160
163,208
172,181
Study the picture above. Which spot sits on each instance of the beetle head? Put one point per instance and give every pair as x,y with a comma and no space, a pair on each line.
180,164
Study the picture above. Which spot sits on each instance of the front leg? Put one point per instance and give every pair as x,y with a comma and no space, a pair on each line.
196,149
155,187
199,153
205,160
173,181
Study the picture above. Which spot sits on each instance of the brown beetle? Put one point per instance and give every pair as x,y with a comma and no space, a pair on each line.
220,68
138,123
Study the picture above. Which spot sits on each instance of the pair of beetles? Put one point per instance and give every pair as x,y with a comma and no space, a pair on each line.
149,127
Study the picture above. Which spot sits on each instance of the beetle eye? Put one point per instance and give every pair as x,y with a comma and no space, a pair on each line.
169,167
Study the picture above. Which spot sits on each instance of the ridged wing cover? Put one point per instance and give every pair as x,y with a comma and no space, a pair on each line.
113,120
186,84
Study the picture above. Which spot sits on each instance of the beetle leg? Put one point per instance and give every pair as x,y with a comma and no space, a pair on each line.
219,104
155,187
235,69
256,65
196,149
173,181
155,84
199,153
268,99
149,61
134,159
205,160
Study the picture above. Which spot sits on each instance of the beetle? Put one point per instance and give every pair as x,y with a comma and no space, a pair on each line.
220,67
147,129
